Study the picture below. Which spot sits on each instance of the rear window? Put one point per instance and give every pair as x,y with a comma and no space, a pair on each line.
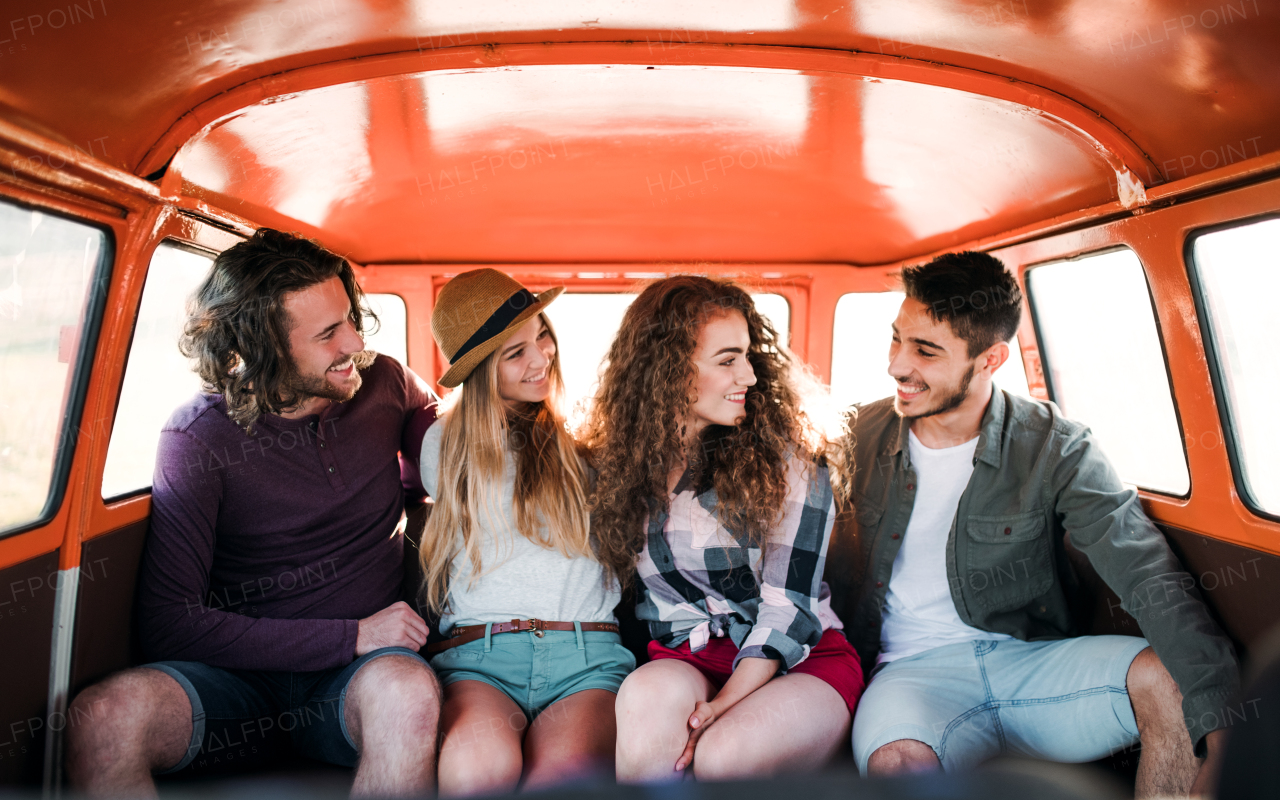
53,282
1237,274
1105,365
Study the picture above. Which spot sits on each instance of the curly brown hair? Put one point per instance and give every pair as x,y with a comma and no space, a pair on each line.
237,330
635,430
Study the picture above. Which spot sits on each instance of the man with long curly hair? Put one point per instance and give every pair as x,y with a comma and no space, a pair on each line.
959,593
268,594
712,469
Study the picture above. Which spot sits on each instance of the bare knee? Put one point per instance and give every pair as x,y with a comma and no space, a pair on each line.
902,757
655,689
396,696
487,765
122,707
652,709
138,715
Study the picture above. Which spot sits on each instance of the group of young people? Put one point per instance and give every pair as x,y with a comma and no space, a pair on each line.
698,487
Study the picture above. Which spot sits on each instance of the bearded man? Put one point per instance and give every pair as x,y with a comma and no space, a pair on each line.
268,597
963,495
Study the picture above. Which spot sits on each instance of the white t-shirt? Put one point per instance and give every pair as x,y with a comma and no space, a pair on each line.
919,613
519,579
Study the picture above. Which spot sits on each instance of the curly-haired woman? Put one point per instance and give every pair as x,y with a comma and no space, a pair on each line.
710,468
533,658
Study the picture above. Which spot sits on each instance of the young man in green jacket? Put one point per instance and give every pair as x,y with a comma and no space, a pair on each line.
963,496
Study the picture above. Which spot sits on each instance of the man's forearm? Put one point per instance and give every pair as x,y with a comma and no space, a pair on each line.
234,641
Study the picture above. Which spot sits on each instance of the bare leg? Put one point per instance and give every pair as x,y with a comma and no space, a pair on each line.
1167,765
122,729
1207,778
653,711
903,757
483,729
572,739
791,724
391,710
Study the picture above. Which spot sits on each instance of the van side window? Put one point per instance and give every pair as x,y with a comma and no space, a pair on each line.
157,378
392,335
860,341
1237,274
53,283
1105,366
586,323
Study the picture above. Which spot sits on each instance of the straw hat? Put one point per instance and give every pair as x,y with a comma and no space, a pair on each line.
476,312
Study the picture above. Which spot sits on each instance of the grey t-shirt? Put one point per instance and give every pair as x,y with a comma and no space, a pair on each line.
519,579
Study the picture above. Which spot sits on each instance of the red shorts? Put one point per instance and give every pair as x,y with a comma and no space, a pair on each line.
833,661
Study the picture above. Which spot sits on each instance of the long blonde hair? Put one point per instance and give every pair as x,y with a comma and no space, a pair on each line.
480,432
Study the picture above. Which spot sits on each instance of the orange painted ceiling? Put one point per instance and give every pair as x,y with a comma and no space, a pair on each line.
637,130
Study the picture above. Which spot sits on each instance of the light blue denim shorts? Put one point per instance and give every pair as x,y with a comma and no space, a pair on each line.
1064,700
536,672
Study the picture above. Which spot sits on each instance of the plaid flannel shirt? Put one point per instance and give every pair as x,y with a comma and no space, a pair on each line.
701,580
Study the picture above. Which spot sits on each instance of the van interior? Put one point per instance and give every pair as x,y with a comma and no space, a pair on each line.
1122,159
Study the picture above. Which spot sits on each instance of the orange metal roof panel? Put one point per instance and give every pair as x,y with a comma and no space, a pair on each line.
873,171
618,162
1183,79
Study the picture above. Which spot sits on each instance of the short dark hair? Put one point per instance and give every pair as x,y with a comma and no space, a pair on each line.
971,291
237,330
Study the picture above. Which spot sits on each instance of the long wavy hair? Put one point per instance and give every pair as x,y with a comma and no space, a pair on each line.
237,330
635,431
480,434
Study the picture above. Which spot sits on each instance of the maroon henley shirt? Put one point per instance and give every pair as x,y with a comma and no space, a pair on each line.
266,549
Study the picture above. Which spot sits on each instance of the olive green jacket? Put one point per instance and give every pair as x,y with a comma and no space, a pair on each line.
1036,476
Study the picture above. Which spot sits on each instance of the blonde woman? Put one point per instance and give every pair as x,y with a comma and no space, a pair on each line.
533,659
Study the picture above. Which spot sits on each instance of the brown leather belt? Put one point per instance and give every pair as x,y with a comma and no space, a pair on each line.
461,634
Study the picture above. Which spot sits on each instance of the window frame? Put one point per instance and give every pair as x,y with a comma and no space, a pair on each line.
1221,399
179,244
1046,366
95,310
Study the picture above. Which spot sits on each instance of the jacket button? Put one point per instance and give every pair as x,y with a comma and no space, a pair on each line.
1008,531
879,584
895,536
331,469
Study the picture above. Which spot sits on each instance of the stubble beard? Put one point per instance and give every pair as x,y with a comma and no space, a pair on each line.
948,403
309,386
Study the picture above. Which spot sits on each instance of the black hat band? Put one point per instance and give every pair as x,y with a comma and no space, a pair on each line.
497,322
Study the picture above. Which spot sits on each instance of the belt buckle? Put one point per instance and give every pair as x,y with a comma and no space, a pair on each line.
535,627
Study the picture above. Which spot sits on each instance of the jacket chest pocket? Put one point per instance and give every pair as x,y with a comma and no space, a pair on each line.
868,515
1009,560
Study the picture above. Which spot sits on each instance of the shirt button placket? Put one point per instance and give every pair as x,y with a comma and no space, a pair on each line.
326,457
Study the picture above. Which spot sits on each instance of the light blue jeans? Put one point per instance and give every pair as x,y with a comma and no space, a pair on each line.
1062,700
